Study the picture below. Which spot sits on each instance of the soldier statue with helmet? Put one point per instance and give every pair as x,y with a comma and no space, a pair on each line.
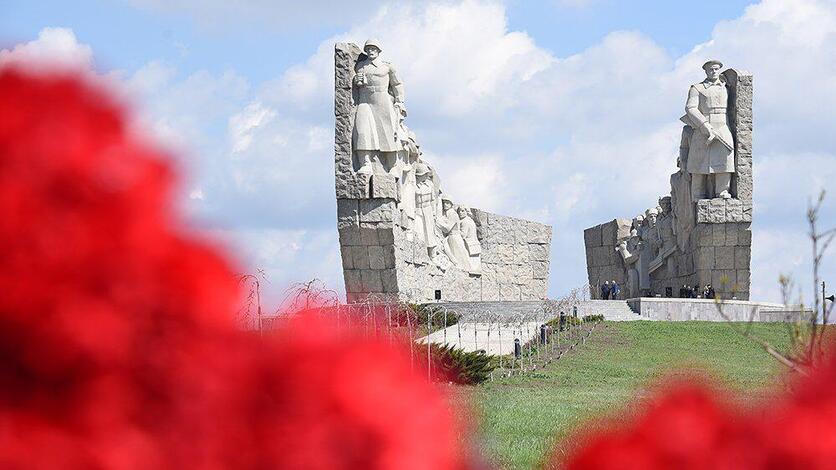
379,95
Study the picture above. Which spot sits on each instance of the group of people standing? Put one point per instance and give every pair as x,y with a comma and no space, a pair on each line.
610,291
688,292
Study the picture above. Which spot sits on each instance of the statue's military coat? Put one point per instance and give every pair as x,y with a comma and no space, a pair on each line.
707,103
376,121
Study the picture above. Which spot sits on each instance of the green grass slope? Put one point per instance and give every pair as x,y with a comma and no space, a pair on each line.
521,416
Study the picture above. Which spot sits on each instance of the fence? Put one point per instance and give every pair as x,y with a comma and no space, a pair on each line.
521,341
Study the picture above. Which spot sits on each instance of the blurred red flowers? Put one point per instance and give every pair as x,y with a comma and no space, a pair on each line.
687,426
116,335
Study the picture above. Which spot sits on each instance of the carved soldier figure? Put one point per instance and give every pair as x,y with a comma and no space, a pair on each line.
667,230
425,201
627,249
711,149
380,96
406,179
471,241
450,228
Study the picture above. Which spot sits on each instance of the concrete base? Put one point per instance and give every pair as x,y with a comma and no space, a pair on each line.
674,309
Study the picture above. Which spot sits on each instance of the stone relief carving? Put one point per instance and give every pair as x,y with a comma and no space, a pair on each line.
425,201
449,225
664,240
383,143
710,159
471,241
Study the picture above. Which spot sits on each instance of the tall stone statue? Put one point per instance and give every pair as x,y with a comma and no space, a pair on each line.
711,151
380,99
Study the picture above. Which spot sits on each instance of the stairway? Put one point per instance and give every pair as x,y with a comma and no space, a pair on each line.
612,310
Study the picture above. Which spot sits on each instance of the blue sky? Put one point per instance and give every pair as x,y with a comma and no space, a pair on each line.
562,111
126,35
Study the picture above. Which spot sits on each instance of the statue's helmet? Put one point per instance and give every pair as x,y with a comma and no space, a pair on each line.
704,66
422,169
373,42
651,212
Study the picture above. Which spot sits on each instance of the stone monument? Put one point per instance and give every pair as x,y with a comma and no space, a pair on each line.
401,235
701,234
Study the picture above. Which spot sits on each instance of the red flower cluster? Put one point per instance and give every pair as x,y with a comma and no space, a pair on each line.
688,427
116,335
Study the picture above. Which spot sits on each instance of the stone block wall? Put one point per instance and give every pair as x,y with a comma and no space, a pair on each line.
382,257
718,254
602,260
515,264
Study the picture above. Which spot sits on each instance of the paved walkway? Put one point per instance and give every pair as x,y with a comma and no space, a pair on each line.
494,338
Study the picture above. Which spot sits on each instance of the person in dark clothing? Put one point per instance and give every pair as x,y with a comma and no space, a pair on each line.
695,292
689,291
605,290
709,292
683,291
615,290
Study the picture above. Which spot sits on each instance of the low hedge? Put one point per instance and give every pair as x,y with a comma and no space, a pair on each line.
461,367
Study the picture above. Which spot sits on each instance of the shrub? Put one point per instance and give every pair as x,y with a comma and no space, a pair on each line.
592,318
568,321
462,367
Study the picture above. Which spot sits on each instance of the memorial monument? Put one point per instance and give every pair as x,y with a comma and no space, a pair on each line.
700,235
401,234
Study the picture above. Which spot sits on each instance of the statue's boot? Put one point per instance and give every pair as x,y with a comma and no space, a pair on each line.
722,181
367,168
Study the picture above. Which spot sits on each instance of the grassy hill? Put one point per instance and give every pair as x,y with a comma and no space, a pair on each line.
521,415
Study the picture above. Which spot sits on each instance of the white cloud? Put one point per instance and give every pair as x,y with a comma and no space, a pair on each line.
243,124
54,49
472,181
455,56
